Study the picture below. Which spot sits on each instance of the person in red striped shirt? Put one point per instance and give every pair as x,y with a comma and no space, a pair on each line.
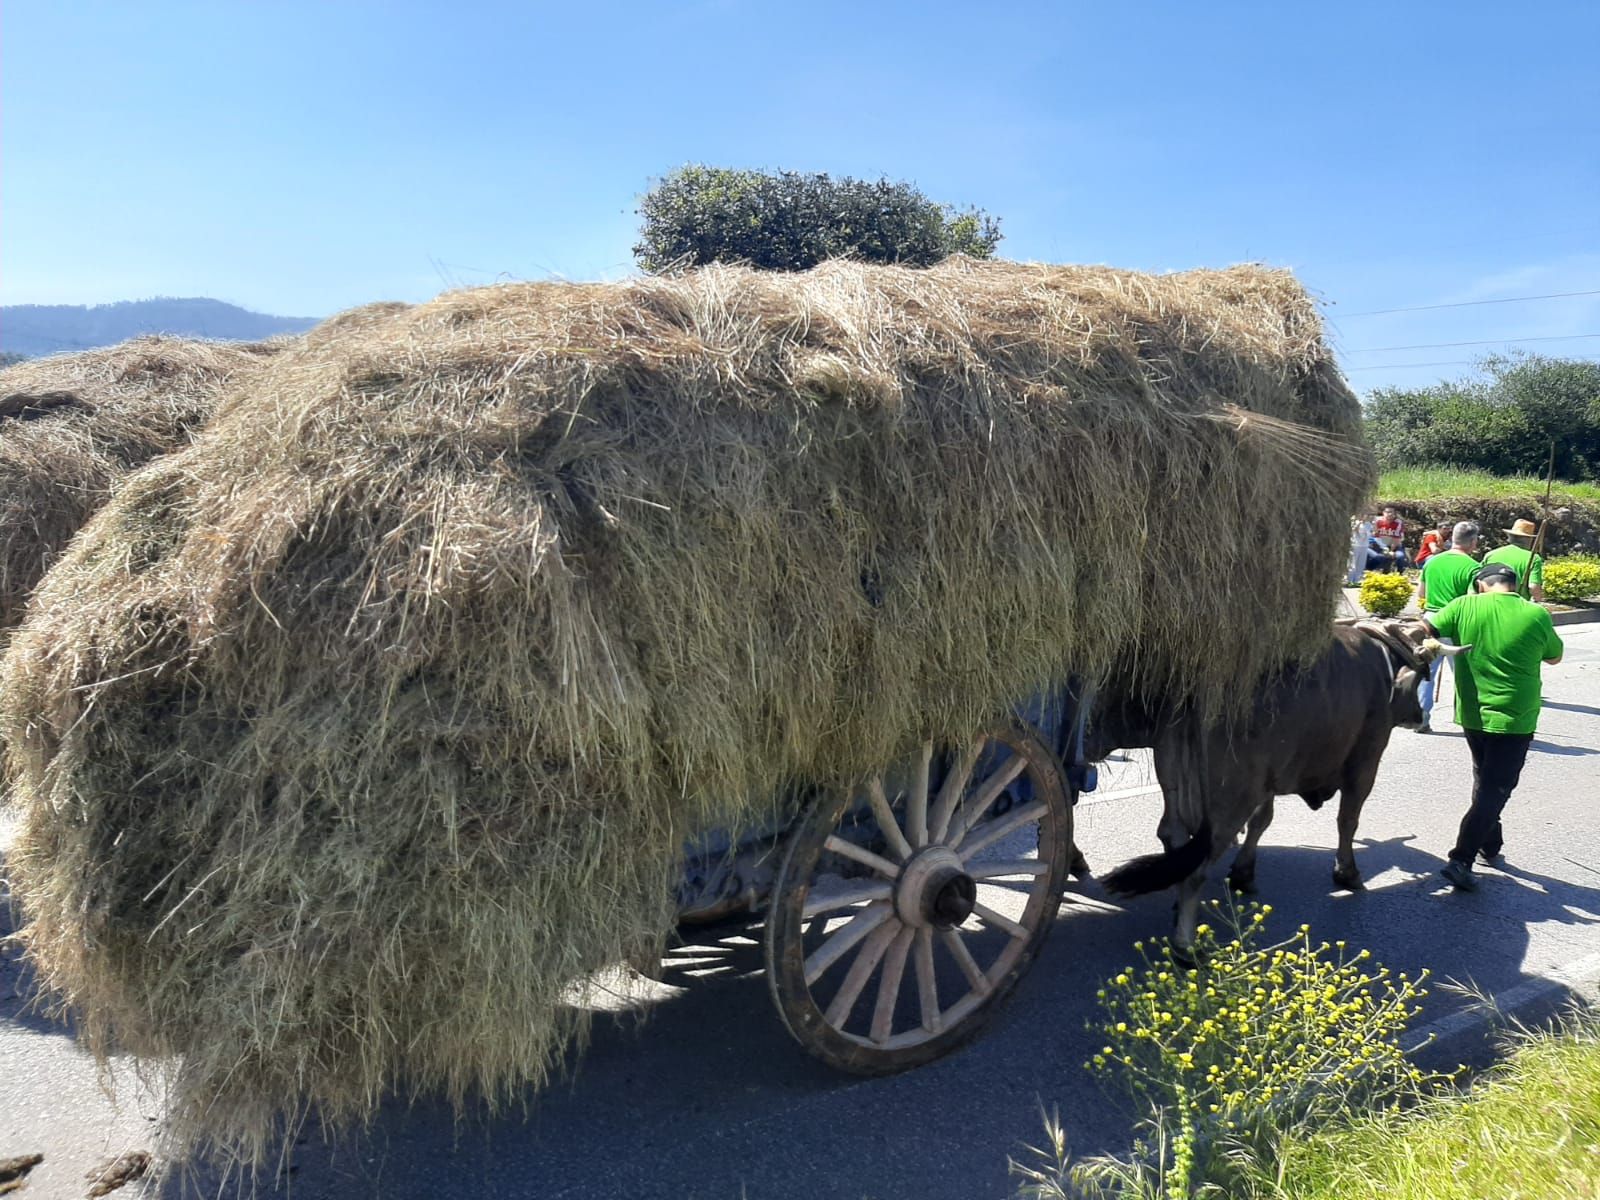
1390,532
1435,541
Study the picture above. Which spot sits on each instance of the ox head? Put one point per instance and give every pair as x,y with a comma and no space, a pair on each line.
1411,649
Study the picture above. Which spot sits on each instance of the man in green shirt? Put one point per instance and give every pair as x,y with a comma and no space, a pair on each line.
1519,556
1444,577
1497,702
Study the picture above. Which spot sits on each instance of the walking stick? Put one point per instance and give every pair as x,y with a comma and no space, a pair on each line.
1525,585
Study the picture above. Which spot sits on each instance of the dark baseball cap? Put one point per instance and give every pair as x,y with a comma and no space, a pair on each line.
1496,573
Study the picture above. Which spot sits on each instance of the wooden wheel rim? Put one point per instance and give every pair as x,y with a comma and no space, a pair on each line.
887,946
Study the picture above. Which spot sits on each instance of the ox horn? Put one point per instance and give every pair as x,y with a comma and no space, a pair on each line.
1388,632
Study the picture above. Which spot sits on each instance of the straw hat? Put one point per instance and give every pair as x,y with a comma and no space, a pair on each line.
1520,528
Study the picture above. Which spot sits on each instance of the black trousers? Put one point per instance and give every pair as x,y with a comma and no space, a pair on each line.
1497,760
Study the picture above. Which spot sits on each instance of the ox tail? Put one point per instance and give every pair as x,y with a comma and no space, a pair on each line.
1152,872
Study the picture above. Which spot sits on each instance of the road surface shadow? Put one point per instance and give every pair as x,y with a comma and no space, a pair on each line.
1588,709
24,1003
1540,746
709,1096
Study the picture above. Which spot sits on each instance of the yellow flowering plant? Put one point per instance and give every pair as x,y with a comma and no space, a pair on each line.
1385,595
1260,1040
1572,579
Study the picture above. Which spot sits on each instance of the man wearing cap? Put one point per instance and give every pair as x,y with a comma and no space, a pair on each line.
1519,556
1444,577
1497,702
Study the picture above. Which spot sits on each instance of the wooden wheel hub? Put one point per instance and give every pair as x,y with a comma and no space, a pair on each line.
906,909
935,891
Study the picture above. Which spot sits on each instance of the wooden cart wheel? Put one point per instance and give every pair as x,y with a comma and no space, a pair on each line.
906,911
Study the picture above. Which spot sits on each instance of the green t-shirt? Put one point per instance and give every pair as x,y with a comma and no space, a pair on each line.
1446,576
1497,681
1516,557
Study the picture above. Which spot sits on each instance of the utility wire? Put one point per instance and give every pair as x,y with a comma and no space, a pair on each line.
1564,337
1450,362
1378,312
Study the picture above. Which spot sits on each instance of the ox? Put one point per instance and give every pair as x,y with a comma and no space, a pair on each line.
1312,730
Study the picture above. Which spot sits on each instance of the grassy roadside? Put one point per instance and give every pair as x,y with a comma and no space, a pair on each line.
1531,1128
1431,484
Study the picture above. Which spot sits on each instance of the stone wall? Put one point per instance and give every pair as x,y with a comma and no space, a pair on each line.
1573,527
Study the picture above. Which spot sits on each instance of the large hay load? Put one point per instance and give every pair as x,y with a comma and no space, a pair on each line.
348,738
73,424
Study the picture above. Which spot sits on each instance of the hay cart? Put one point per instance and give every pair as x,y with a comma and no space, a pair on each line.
901,914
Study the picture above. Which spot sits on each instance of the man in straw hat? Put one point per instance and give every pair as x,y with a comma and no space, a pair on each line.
1519,556
1497,702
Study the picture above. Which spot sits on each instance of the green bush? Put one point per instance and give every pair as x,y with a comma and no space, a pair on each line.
788,221
1229,1059
1504,421
1573,578
1385,595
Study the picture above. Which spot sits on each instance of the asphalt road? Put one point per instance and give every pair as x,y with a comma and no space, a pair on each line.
707,1097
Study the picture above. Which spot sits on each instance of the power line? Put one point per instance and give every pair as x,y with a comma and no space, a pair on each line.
1378,312
1564,337
1446,362
1451,362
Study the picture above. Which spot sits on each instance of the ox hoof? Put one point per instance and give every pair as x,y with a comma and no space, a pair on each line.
1349,881
1245,885
1079,868
1187,958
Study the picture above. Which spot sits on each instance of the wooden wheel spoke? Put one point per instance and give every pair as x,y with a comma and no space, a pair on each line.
855,983
1021,866
829,901
867,960
971,814
927,982
840,942
862,855
1000,921
1002,827
955,785
917,801
885,818
969,965
894,967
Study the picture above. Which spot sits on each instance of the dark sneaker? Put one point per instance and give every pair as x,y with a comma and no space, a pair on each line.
1424,728
1496,860
1460,876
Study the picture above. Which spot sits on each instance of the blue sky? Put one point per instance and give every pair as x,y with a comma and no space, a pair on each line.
300,158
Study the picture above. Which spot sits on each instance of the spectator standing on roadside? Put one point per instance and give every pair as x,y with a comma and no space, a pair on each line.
1519,556
1444,577
1390,531
1360,536
1497,703
1435,541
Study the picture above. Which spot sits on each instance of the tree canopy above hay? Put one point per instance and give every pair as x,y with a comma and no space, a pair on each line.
72,424
347,738
791,221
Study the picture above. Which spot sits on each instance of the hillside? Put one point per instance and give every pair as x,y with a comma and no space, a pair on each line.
34,329
1427,496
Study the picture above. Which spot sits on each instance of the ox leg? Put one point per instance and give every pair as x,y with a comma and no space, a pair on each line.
1188,916
1351,797
1173,831
1242,878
